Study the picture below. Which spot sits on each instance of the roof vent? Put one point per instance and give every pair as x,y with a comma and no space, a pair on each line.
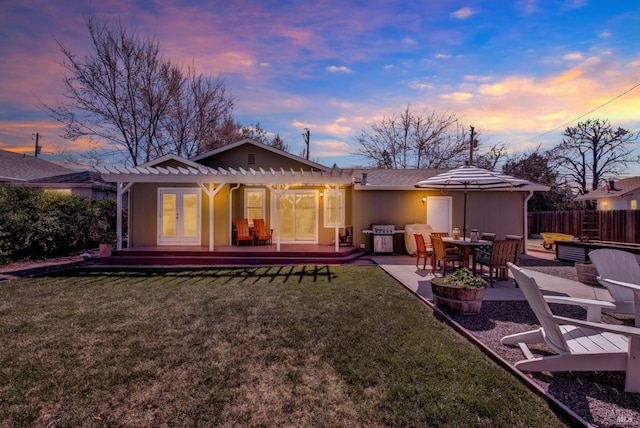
252,159
612,185
364,179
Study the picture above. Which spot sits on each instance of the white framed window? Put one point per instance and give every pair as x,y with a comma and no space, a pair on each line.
254,204
334,208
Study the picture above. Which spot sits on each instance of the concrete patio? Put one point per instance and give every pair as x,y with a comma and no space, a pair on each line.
403,269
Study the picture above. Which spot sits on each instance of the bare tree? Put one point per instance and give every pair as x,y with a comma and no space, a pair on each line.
124,93
591,151
196,116
415,140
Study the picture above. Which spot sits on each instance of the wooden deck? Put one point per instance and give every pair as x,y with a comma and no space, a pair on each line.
233,255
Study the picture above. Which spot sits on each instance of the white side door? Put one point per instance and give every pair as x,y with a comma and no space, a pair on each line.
439,213
179,216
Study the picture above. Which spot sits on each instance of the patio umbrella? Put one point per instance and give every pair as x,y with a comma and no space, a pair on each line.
471,178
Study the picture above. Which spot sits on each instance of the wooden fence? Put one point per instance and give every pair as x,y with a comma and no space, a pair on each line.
616,225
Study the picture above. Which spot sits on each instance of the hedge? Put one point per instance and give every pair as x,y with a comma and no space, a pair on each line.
36,224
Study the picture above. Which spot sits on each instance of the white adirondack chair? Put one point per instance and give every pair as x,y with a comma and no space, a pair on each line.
615,266
580,345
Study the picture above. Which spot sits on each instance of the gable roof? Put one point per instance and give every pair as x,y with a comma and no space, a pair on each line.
23,167
622,188
170,158
248,141
89,179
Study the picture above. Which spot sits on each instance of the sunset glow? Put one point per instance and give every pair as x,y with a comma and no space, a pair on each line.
515,71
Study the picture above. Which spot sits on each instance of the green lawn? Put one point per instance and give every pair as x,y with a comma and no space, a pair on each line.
280,346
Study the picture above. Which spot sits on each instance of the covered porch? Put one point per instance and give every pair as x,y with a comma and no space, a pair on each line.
185,186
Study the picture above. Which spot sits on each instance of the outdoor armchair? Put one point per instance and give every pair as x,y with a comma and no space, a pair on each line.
347,239
577,345
242,231
440,254
502,252
520,240
615,267
422,250
260,231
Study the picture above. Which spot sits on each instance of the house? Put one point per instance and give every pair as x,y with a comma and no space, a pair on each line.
194,202
20,168
88,184
615,195
24,170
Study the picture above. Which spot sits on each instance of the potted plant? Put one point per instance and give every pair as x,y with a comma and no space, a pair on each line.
106,240
460,291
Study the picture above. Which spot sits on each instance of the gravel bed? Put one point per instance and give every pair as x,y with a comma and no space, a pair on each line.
597,397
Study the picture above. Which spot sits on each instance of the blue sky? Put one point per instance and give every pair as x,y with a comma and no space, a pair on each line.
518,71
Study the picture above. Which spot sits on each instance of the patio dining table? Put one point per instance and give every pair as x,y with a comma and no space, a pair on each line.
466,245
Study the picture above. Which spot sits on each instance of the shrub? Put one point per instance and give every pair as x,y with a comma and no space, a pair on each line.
36,224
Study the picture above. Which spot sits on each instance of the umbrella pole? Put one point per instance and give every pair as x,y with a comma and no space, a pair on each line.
464,216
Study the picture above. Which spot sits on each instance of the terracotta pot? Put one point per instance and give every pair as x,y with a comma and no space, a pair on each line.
466,301
105,250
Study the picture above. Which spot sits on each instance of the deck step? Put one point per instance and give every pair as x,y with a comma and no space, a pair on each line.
228,258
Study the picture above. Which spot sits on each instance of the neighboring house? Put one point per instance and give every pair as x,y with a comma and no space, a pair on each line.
176,201
88,184
615,195
25,170
17,168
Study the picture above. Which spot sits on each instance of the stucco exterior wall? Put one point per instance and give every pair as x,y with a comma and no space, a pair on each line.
489,211
144,215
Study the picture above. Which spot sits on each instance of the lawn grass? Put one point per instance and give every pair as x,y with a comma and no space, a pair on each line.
279,346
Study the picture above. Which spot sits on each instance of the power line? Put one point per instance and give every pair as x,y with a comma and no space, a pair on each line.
587,113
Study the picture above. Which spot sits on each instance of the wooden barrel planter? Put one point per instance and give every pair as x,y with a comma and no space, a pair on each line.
465,301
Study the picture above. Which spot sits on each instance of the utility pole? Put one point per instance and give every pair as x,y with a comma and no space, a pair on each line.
473,144
307,136
38,146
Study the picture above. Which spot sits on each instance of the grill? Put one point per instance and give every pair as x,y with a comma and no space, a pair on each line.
383,237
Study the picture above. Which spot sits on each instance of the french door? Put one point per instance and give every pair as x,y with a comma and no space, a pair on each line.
179,216
299,216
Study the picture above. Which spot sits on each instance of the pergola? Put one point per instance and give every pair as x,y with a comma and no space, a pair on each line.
212,180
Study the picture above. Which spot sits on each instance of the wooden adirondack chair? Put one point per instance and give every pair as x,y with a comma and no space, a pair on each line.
242,231
616,266
579,345
260,231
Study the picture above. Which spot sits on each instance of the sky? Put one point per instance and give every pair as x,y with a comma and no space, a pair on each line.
519,71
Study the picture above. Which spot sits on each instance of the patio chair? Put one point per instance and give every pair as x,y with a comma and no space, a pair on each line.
260,231
422,250
501,253
449,247
242,231
484,251
615,266
578,345
440,254
520,240
347,239
488,236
